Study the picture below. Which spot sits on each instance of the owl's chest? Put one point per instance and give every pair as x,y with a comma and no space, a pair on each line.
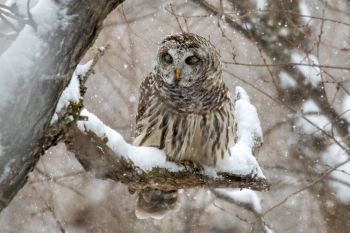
201,138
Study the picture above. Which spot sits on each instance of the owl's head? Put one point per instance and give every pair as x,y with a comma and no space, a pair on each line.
186,59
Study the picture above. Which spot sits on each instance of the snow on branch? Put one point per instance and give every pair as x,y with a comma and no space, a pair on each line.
311,73
340,182
246,198
103,151
143,157
250,201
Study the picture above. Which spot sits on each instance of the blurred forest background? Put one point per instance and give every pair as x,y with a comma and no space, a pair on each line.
293,59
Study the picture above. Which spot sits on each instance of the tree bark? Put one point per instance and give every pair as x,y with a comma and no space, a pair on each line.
25,121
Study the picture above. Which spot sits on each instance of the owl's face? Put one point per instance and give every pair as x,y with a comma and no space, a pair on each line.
184,59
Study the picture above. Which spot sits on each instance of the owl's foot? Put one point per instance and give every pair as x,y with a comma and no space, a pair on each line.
191,166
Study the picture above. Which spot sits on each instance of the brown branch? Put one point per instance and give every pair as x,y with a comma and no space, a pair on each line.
95,156
172,11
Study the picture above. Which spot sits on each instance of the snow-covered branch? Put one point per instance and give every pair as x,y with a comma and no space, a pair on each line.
250,201
104,151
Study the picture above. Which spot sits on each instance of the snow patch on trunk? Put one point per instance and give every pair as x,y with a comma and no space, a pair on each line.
304,10
286,81
311,113
345,110
312,73
71,93
331,157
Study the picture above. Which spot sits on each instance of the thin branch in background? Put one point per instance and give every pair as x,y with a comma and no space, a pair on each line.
177,18
9,23
133,20
223,32
11,14
233,213
345,172
267,67
186,24
321,31
53,178
307,16
287,64
30,17
221,22
268,131
251,12
331,137
335,94
56,181
335,9
258,216
133,31
317,94
329,123
49,207
5,7
337,82
321,178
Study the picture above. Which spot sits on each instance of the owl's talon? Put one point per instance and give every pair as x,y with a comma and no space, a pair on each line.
190,166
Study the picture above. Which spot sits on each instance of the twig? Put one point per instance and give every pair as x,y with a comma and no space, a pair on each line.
292,110
30,17
321,30
177,18
9,23
287,64
306,187
306,16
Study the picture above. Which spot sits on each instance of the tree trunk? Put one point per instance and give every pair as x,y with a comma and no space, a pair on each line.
24,119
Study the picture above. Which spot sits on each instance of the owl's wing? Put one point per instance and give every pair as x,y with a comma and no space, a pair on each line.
146,92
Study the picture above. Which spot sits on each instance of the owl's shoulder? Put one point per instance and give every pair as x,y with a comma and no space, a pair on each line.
146,90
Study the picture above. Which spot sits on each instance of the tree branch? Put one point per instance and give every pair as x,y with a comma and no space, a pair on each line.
95,156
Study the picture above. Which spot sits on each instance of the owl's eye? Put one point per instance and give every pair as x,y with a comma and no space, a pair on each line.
192,60
168,58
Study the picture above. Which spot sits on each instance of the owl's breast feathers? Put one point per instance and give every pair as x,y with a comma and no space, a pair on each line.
202,137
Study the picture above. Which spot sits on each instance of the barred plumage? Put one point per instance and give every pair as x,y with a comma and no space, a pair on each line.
190,117
202,137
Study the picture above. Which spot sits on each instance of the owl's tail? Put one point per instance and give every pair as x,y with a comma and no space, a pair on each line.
156,203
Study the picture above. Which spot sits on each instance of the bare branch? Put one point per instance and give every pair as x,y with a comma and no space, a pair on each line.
287,64
321,178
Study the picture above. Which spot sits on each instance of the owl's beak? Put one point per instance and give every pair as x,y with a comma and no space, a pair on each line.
177,73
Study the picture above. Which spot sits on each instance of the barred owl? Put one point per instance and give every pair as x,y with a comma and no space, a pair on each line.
185,109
